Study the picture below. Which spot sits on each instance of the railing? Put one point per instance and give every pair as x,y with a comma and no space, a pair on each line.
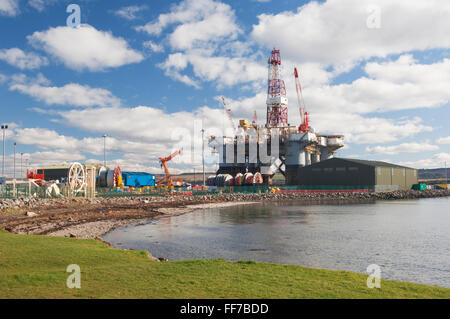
259,189
23,190
9,191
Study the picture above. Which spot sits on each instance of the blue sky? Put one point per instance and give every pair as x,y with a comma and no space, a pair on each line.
375,71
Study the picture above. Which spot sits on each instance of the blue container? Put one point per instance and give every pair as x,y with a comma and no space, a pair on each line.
138,179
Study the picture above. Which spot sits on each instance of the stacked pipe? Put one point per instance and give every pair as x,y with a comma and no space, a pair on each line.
240,179
211,180
224,180
257,179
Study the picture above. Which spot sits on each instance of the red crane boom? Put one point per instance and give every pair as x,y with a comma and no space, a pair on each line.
167,179
304,116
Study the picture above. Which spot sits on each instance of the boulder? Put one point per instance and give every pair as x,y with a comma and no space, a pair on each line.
30,214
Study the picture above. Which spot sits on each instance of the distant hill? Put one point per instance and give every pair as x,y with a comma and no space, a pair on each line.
433,173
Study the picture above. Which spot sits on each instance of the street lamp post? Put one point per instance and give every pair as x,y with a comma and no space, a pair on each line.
104,149
21,167
203,156
14,173
4,128
446,174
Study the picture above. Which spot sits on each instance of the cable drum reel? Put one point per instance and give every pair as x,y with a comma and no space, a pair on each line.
117,177
77,178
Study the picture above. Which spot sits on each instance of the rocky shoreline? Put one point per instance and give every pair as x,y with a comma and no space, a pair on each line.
95,230
91,218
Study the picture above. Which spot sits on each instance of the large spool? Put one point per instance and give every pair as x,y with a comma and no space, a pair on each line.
211,180
76,178
248,179
227,180
110,178
257,179
238,179
101,181
117,177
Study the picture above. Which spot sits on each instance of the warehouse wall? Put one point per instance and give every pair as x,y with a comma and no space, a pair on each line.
332,172
347,173
411,178
399,177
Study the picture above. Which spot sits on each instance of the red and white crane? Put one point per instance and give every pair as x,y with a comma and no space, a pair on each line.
304,116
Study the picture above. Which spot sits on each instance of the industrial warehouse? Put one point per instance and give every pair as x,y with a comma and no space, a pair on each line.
374,175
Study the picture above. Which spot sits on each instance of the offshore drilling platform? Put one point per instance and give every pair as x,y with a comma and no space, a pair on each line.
256,152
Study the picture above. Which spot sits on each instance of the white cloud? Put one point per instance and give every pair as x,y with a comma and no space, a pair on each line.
40,5
154,47
205,36
21,59
200,21
130,12
57,157
436,161
44,138
225,71
49,139
390,86
141,123
402,148
336,33
9,7
443,140
367,130
69,94
3,78
85,47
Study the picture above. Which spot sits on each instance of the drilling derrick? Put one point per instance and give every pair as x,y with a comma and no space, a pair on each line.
277,110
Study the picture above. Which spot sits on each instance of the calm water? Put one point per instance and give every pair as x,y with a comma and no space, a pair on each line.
409,240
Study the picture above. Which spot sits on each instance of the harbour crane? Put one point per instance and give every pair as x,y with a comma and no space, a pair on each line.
304,116
228,111
255,119
167,180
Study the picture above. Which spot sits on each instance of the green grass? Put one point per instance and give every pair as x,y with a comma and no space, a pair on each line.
35,267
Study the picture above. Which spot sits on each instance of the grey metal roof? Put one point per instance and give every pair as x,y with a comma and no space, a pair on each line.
372,163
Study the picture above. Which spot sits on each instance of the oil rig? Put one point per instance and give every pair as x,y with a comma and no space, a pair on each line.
257,151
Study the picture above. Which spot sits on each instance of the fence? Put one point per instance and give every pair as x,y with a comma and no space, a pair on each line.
22,190
259,189
29,190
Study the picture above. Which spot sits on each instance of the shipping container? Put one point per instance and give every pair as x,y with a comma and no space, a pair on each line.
138,179
419,187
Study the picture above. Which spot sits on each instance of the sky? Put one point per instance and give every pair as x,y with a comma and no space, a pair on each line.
150,74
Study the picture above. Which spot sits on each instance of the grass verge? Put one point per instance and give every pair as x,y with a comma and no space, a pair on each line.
35,267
